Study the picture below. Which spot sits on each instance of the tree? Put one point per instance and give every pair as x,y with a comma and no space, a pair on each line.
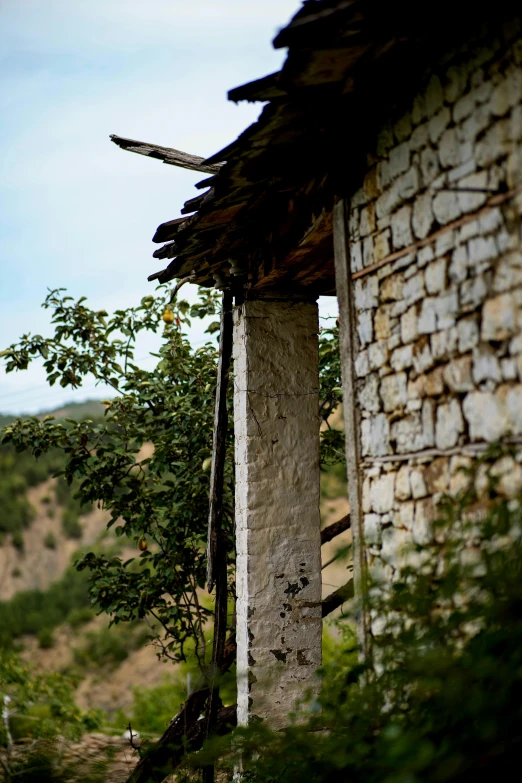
160,502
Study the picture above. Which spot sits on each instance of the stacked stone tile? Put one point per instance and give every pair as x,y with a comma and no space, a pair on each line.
437,226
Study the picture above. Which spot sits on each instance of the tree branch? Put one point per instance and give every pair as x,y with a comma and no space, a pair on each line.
334,530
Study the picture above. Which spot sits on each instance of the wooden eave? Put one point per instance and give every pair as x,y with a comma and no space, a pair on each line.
268,202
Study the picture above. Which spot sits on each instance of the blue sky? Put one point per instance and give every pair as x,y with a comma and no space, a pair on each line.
76,211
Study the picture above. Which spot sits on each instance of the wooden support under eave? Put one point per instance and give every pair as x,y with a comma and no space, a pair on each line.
348,336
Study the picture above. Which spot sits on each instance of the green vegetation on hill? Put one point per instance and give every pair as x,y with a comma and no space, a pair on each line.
35,611
20,470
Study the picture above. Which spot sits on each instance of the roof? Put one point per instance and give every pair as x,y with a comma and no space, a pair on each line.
267,205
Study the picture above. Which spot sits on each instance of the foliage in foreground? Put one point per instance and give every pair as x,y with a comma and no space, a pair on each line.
443,700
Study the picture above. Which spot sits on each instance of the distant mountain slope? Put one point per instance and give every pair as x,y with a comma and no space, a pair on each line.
90,409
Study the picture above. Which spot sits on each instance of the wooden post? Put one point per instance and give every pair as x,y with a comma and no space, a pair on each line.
348,337
216,547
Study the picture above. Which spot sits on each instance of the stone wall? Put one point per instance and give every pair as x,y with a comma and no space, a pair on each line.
436,261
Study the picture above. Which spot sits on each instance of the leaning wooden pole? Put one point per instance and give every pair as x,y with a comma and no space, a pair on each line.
216,548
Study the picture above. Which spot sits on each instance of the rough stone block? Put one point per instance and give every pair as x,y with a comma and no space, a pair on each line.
446,308
446,207
382,493
367,222
429,165
365,327
472,293
402,483
463,107
509,369
425,255
409,325
418,486
508,273
438,124
457,374
499,318
458,268
422,218
372,529
375,436
405,514
401,228
486,416
356,262
381,244
422,358
449,426
437,476
377,355
366,291
513,400
434,96
383,323
444,344
392,288
399,160
362,364
369,399
402,358
481,249
495,144
435,276
394,542
486,367
419,138
393,391
408,433
422,524
434,382
414,288
456,80
409,183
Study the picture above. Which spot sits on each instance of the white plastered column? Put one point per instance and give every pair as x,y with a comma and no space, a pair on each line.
278,569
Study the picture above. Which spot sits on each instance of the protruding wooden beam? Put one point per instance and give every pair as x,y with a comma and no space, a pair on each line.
166,154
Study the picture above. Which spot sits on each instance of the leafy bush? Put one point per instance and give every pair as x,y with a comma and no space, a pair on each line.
17,540
110,646
50,540
77,617
71,524
45,639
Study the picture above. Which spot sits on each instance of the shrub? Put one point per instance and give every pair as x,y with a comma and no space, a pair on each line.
110,646
71,524
77,617
50,540
18,540
45,639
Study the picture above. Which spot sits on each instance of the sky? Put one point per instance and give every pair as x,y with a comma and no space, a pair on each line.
76,211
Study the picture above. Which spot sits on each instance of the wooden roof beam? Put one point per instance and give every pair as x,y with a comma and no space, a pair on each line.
166,154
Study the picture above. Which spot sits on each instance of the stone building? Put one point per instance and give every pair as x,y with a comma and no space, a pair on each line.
385,168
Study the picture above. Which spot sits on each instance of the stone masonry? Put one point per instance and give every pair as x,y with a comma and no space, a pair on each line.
278,568
438,360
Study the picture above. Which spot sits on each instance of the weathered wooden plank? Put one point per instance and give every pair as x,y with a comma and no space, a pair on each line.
347,334
335,529
168,155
